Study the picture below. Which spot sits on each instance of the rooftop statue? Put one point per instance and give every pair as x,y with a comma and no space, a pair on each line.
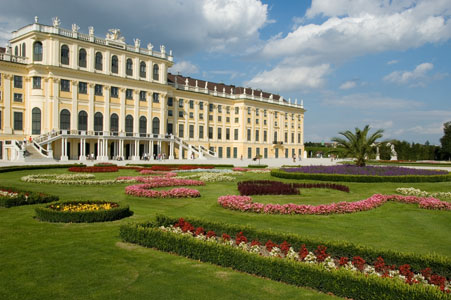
115,35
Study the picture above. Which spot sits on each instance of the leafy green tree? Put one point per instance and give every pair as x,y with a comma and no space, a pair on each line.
446,141
358,144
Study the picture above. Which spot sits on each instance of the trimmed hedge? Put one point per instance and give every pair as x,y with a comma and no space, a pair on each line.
360,178
25,198
439,264
257,166
44,213
340,282
37,167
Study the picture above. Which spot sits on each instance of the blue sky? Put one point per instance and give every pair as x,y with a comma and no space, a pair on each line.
378,62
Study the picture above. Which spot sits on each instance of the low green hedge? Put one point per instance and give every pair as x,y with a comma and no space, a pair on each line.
257,166
44,213
341,282
24,197
37,167
439,264
360,178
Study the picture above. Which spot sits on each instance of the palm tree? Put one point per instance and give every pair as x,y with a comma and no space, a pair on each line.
358,144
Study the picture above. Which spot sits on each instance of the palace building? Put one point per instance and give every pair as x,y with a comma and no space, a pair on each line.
76,96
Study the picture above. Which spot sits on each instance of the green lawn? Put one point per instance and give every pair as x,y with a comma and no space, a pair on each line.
88,261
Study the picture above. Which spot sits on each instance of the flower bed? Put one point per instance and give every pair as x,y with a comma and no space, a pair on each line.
69,179
286,258
83,212
158,173
269,187
206,171
282,173
95,169
365,171
417,192
14,197
212,177
245,204
144,190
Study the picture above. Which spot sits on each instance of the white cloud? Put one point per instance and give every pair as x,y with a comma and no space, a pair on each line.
404,77
356,28
369,102
184,68
290,77
348,85
392,62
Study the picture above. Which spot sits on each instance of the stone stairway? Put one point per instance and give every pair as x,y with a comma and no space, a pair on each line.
33,155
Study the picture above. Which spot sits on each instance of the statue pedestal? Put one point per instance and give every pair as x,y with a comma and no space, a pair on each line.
394,157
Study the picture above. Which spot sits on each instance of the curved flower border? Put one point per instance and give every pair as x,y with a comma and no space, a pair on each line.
69,179
145,190
417,192
245,204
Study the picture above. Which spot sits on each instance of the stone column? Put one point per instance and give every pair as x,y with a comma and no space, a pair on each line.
122,110
135,112
136,152
149,112
196,120
55,113
74,114
91,107
7,129
163,121
106,115
171,150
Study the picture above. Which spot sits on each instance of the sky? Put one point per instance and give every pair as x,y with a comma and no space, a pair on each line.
385,63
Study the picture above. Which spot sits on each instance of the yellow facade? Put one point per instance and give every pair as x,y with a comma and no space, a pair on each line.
82,84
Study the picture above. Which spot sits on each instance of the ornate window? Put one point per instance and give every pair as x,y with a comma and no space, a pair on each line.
99,61
36,121
65,119
156,72
82,120
142,69
37,51
24,52
142,125
114,64
82,58
64,55
129,67
156,125
114,123
98,121
129,124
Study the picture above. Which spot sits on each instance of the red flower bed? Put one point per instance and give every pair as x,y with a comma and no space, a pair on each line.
93,169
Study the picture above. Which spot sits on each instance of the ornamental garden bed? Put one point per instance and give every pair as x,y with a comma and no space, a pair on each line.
69,179
246,204
95,169
270,187
83,211
362,174
15,197
344,269
146,189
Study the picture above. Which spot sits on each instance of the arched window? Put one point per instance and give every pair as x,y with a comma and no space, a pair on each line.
114,65
16,51
129,124
155,126
24,50
129,67
142,69
37,51
98,121
36,121
65,119
156,71
114,123
82,120
142,125
64,55
82,58
99,61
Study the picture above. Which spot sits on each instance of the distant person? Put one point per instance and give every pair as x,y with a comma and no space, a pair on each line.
294,158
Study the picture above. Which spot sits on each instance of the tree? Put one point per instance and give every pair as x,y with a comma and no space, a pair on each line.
358,144
446,141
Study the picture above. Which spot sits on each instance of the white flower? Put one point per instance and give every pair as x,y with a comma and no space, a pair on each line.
292,255
275,251
310,258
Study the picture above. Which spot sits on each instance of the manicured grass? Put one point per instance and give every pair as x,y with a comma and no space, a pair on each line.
88,261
